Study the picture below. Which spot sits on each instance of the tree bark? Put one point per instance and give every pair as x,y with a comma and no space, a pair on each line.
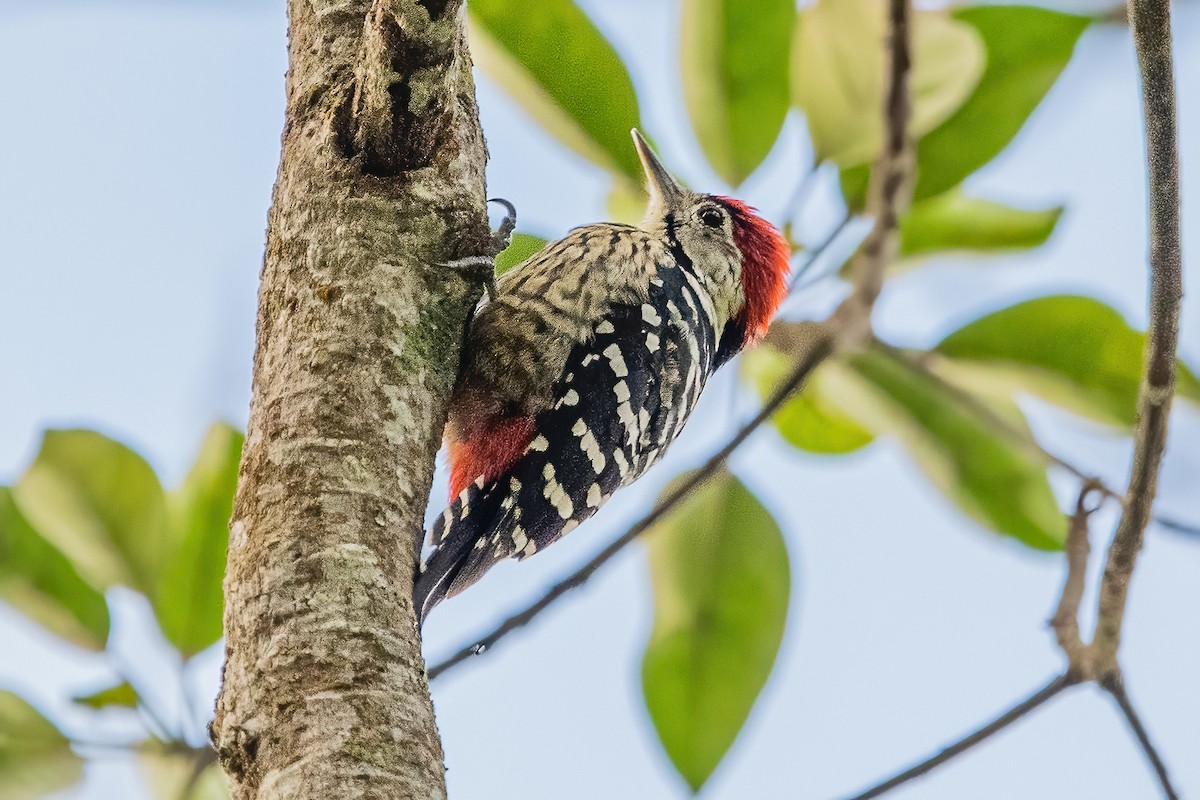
381,178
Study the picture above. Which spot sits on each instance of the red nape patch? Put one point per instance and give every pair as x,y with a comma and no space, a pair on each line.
765,267
490,451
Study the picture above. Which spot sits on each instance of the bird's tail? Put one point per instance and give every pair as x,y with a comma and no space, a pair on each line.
459,537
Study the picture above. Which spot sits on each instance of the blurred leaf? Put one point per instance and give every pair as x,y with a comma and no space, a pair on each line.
954,221
1070,350
838,73
522,246
1027,49
810,420
992,478
719,569
122,695
735,82
35,758
854,182
101,504
626,203
176,774
38,580
564,73
189,599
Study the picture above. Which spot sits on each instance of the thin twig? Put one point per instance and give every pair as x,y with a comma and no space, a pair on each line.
813,255
1115,686
890,189
1178,527
970,740
1151,21
821,347
1066,617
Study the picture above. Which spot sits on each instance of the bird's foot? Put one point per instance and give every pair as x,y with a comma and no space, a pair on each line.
483,268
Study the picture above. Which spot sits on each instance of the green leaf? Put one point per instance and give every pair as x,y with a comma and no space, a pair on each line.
38,580
719,569
992,478
122,695
811,419
1070,350
522,246
101,504
1027,49
564,73
734,71
954,221
35,758
189,599
838,73
182,774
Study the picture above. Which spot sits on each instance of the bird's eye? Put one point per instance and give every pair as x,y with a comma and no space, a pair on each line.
712,217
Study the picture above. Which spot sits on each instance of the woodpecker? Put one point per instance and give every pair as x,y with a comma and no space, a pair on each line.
584,365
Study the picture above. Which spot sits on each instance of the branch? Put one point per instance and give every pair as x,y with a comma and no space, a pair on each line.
1066,618
890,190
821,346
1116,688
970,740
404,83
1151,20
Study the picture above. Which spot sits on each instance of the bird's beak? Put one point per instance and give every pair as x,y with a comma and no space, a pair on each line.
664,190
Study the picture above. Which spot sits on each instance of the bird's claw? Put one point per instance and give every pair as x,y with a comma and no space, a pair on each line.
483,268
503,234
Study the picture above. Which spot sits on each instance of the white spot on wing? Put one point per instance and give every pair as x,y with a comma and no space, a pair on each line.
539,444
592,448
594,496
616,360
605,327
650,314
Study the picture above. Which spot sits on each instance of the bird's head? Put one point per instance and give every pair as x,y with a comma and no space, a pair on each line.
725,240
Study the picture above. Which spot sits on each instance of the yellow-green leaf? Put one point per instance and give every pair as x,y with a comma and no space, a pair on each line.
122,695
735,83
38,580
719,569
1070,350
838,72
811,419
955,222
182,774
522,246
554,62
1027,49
99,503
35,758
189,599
991,477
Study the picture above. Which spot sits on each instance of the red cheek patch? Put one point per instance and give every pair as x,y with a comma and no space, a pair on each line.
765,267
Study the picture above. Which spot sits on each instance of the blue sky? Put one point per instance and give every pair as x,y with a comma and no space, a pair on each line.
136,162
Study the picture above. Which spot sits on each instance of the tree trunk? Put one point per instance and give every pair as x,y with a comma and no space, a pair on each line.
381,178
